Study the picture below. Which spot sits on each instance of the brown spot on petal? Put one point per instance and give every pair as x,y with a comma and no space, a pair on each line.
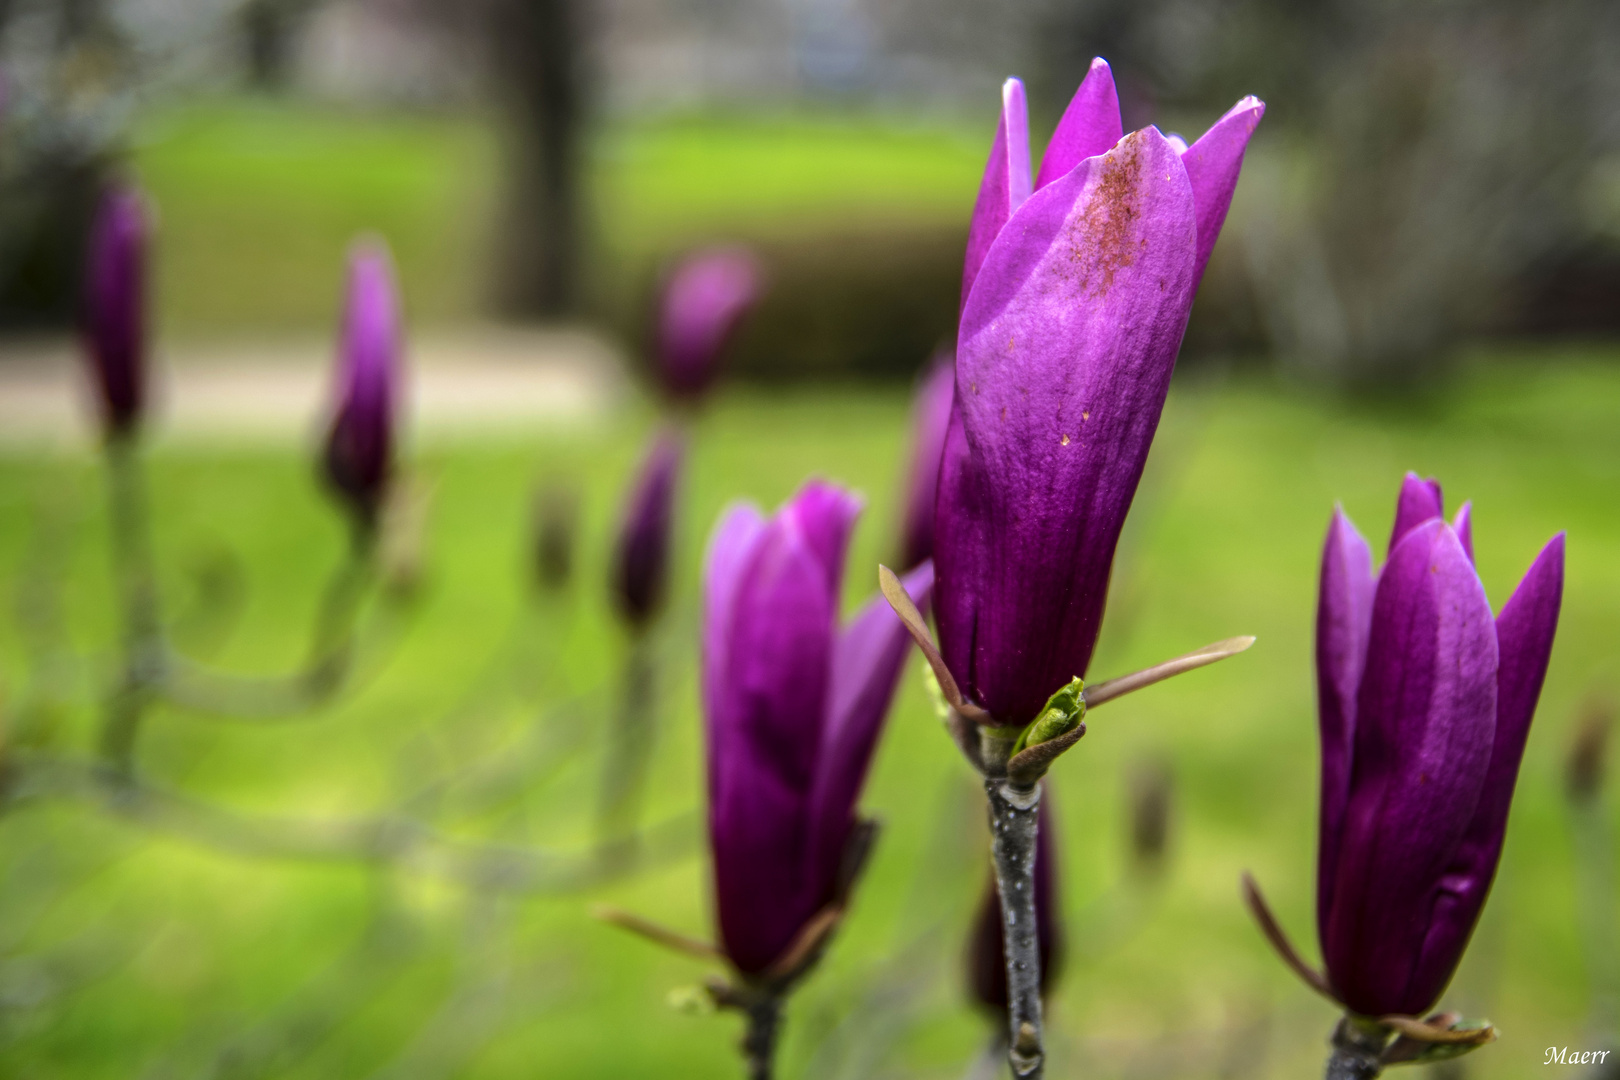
1065,440
1086,415
1105,241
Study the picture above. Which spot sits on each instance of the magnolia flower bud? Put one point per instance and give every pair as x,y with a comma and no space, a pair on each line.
1076,289
360,444
115,306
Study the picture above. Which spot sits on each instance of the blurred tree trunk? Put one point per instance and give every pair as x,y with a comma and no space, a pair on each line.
59,136
537,55
270,31
1417,161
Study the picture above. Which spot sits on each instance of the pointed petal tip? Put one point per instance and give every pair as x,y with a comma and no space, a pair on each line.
1099,64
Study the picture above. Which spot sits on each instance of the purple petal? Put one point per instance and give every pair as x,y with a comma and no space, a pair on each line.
1063,363
359,452
704,300
1005,185
115,305
1463,526
866,664
1090,125
1420,500
731,552
930,416
1213,164
825,515
1524,633
641,556
765,710
1343,622
1425,723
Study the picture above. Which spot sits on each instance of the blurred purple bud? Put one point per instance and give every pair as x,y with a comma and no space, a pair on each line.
930,416
1583,775
360,444
1151,789
1075,298
556,522
115,306
704,300
641,559
794,706
1425,703
987,963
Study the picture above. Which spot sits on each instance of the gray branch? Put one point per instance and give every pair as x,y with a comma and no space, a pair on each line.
1357,1052
385,840
1013,816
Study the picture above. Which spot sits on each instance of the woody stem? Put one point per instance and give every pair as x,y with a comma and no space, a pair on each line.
1356,1052
1013,815
132,568
759,1041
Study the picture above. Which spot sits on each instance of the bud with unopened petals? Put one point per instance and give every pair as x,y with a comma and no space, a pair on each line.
360,444
1425,701
115,306
703,302
641,559
794,704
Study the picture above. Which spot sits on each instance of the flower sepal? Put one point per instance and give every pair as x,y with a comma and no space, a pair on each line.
743,991
1440,1037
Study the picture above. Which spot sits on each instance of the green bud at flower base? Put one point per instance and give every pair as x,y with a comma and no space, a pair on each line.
1063,712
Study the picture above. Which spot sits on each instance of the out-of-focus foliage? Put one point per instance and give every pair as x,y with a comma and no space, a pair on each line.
1426,172
130,950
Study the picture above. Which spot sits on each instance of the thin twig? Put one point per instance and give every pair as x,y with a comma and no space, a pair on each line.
329,669
396,841
144,652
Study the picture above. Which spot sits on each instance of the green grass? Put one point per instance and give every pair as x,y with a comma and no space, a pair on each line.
127,954
259,200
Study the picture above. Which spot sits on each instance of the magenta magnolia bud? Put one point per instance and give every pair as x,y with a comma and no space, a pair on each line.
115,306
641,559
360,445
1425,703
794,706
987,963
704,300
930,415
1075,293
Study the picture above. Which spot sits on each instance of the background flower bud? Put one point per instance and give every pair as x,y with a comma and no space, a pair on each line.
360,442
115,306
555,524
704,300
794,706
641,556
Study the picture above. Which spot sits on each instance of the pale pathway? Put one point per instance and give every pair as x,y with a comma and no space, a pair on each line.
479,382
